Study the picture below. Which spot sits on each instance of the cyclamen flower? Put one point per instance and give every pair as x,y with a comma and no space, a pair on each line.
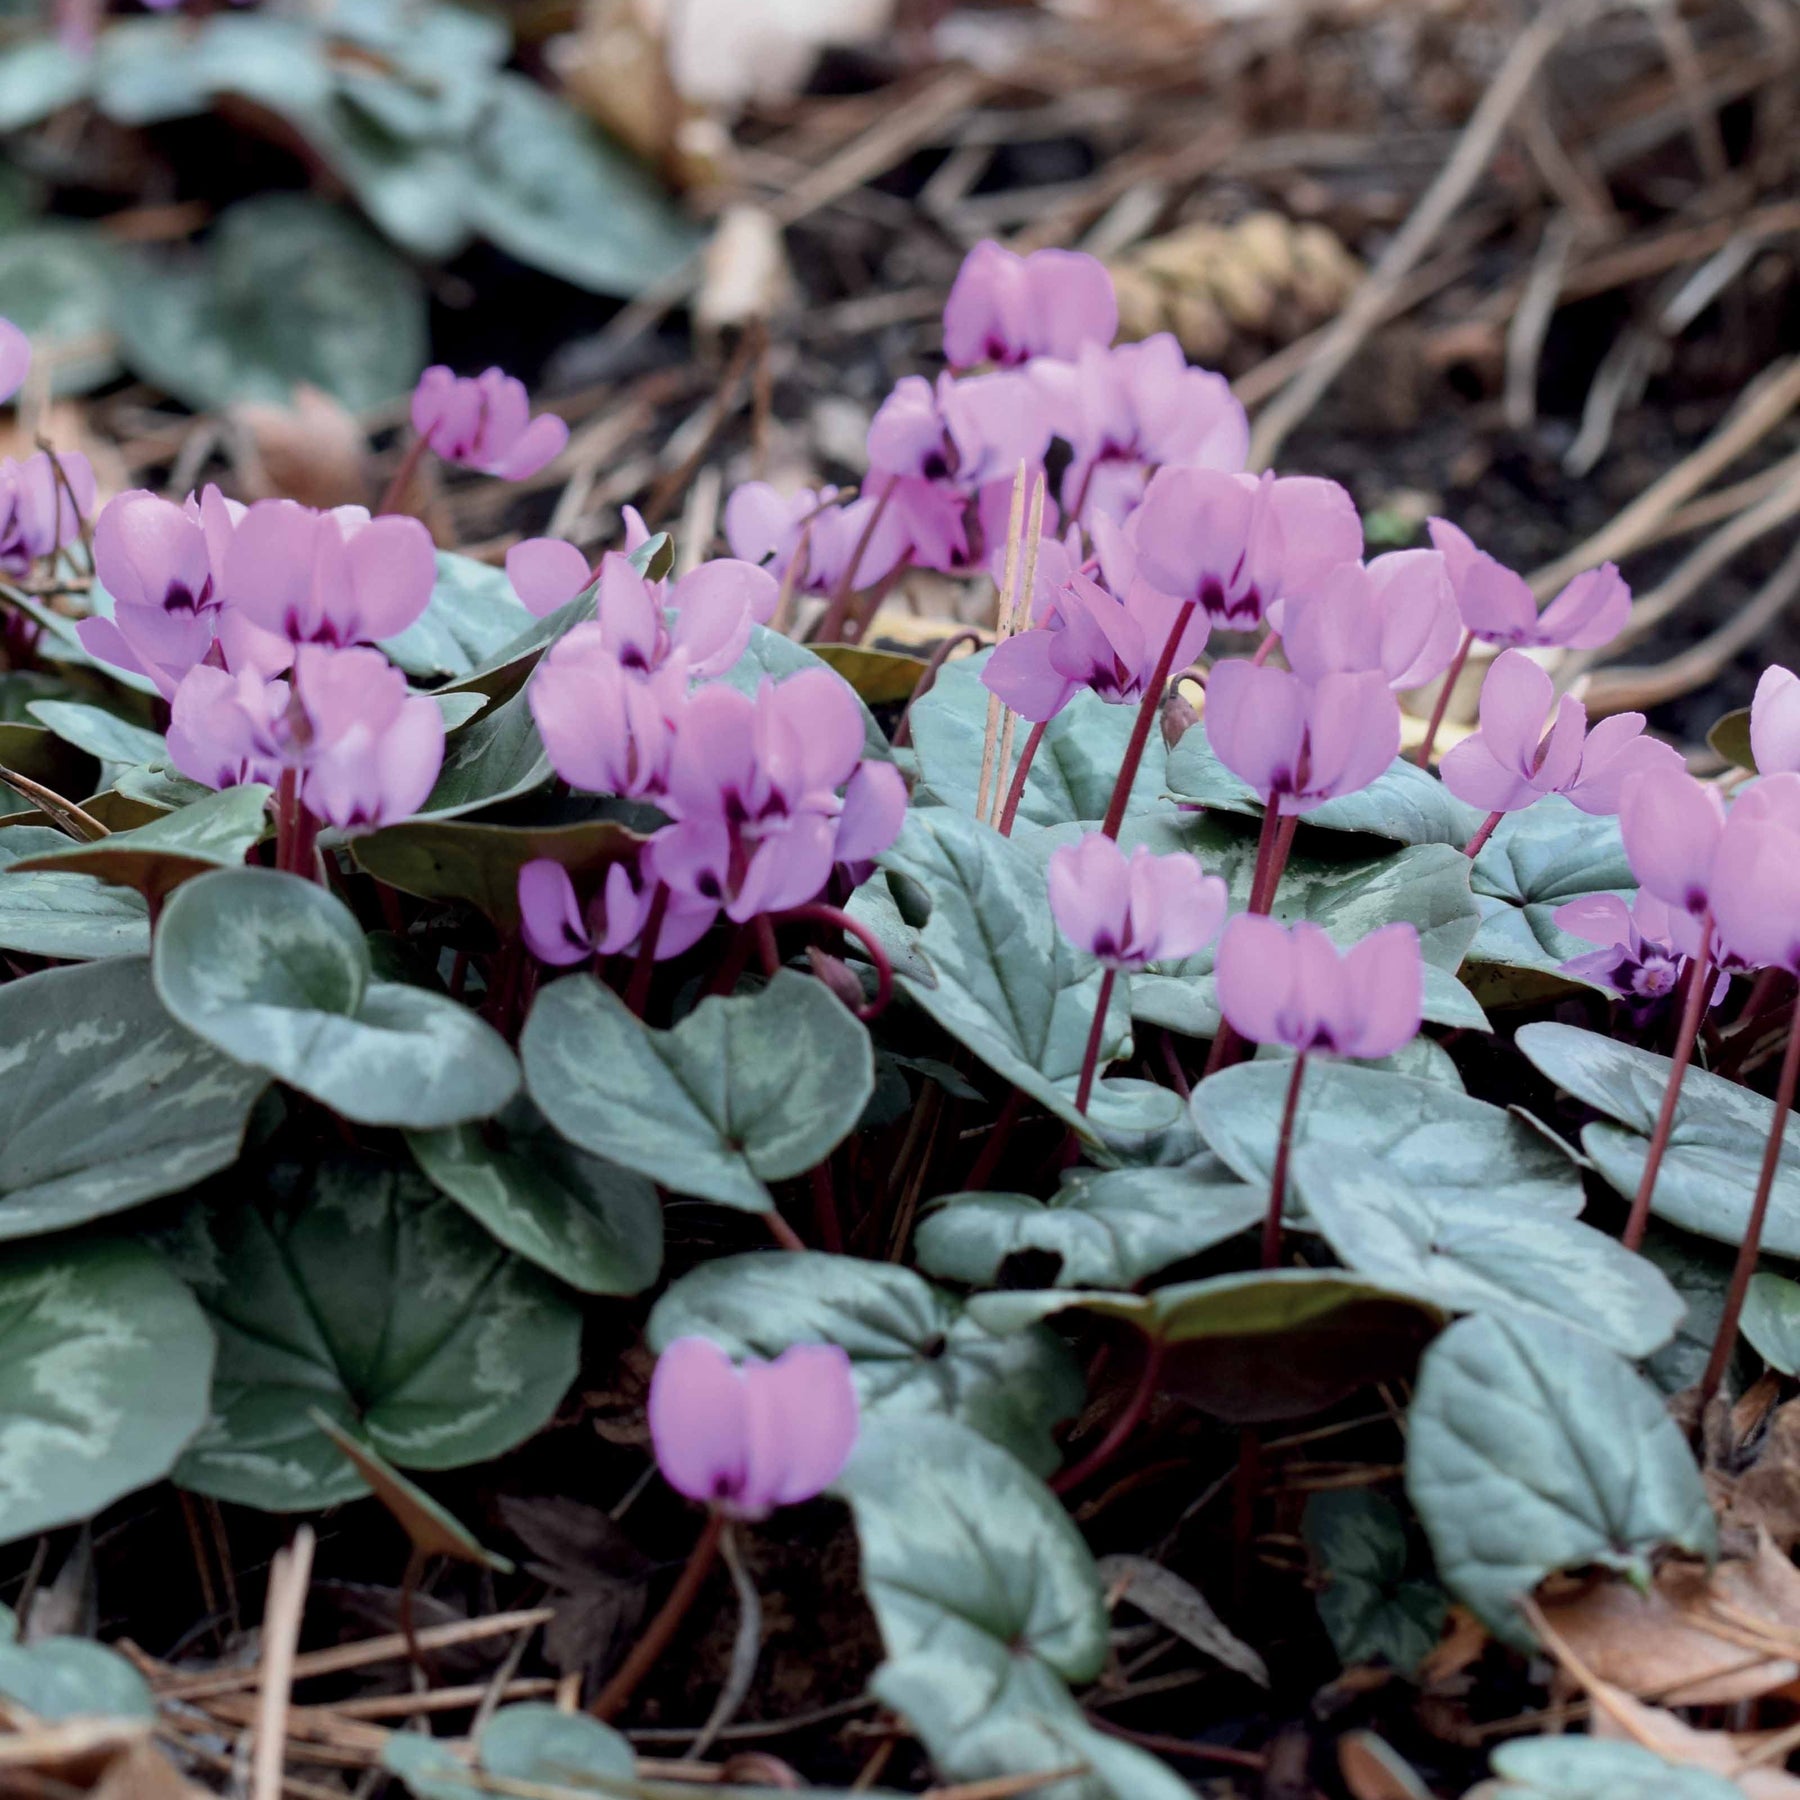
749,1438
808,538
1005,309
1644,949
560,928
484,422
1089,638
1775,721
1291,985
15,359
365,750
1240,545
43,501
337,577
1299,744
932,452
1131,410
1132,911
1513,759
1397,616
1497,605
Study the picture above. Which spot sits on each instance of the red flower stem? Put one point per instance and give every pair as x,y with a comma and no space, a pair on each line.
637,990
1724,1343
1483,832
831,624
1263,650
1692,1009
1122,1427
825,1214
1140,731
1442,704
1265,857
731,964
395,491
1090,1061
869,603
287,807
997,1140
782,1232
820,912
1271,1237
1016,792
762,933
647,1652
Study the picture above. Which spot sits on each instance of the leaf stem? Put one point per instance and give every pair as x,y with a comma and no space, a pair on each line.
1765,1184
825,1213
1140,730
1271,1237
648,1650
1122,1427
1092,1057
1442,703
1016,792
1483,832
1699,970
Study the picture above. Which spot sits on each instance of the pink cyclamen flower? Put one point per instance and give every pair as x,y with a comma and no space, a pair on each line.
43,501
1090,638
546,573
1299,744
1291,985
1514,759
1130,410
337,577
1240,545
749,1438
15,359
366,751
1397,616
1005,309
560,927
1130,911
484,422
808,538
1498,607
1775,721
1644,949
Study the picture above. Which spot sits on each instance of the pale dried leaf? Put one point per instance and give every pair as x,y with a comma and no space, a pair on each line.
313,451
1180,1607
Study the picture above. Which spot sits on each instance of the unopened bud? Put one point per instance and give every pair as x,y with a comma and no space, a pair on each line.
838,976
1178,714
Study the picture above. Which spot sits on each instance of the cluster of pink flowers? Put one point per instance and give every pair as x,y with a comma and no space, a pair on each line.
765,794
254,623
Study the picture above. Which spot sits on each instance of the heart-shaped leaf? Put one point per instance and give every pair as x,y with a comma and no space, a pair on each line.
73,918
1264,1345
106,1101
1436,1141
1104,1228
1473,1252
548,188
155,859
1373,1611
1004,981
101,734
914,1349
590,1223
39,753
743,1091
108,1361
988,1603
1585,1768
1531,1448
1709,1172
1771,1320
39,76
275,972
360,1291
531,1743
458,859
499,757
472,612
1535,861
1427,886
287,289
1076,765
1405,805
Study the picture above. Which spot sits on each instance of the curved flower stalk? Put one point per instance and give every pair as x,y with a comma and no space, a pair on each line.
743,1440
1291,985
1515,758
1128,912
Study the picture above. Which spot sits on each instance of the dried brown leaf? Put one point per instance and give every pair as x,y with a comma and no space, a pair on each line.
313,451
